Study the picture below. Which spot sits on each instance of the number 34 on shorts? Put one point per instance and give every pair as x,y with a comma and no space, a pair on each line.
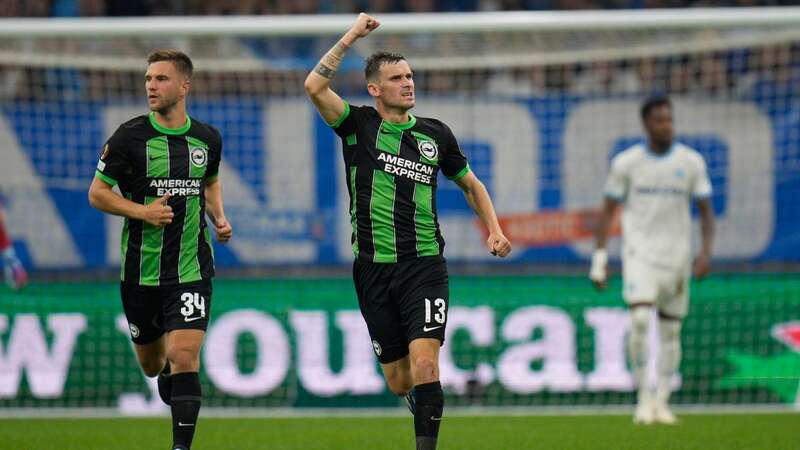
194,306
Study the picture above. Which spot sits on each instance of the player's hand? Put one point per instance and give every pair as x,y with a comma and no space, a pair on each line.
158,213
224,230
498,244
702,266
599,270
364,25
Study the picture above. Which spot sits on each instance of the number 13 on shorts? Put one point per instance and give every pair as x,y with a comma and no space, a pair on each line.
438,308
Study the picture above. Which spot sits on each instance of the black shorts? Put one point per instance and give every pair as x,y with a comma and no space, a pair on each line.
153,310
401,302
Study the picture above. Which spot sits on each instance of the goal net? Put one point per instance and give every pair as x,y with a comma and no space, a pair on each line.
539,102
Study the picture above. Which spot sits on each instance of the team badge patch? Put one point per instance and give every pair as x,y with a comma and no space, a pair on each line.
134,330
199,156
377,347
429,150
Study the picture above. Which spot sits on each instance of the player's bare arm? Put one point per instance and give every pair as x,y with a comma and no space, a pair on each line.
318,82
478,199
216,212
103,198
599,270
702,263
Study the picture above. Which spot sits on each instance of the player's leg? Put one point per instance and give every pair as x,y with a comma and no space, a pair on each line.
398,378
15,274
142,310
422,287
183,353
669,357
186,312
670,315
371,282
640,291
428,395
638,353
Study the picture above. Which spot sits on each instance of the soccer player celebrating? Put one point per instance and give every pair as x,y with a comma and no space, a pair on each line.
656,181
166,165
392,159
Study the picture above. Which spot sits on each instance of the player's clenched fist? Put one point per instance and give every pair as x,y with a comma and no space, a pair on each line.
158,213
364,25
224,229
498,245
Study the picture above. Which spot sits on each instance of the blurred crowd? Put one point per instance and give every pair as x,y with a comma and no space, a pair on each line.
93,8
764,74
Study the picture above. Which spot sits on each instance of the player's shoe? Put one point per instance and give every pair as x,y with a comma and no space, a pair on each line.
644,414
16,276
662,414
411,401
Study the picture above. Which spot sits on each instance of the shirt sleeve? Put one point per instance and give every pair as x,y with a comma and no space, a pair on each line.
453,161
346,124
214,157
618,181
114,161
701,185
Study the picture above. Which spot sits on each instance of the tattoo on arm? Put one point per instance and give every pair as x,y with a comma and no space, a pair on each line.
325,71
328,64
340,49
331,60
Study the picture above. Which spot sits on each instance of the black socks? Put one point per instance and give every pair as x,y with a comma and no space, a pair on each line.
429,406
185,404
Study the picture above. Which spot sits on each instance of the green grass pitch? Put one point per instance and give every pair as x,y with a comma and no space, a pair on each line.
695,431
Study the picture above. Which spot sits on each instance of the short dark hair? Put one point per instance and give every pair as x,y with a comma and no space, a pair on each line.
181,60
377,59
652,103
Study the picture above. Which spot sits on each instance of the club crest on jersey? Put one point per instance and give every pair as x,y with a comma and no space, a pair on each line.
199,156
134,330
429,150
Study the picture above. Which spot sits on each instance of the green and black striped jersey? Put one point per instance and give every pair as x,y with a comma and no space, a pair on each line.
391,173
148,161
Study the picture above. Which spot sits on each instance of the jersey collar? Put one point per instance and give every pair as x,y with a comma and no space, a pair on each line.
398,127
165,130
655,155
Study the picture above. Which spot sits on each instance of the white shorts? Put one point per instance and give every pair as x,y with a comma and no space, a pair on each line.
667,288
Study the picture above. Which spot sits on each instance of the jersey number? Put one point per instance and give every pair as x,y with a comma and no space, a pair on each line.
439,316
192,301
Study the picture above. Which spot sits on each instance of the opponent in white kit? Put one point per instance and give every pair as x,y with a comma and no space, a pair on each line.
655,183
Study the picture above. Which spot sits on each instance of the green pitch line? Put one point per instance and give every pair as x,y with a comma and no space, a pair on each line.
700,432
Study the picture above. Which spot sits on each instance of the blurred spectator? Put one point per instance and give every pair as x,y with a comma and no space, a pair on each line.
607,78
773,79
420,6
377,6
92,8
230,7
680,80
35,8
714,79
9,8
523,82
647,74
127,7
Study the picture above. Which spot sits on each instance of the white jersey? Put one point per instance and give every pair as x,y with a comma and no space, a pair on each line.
657,191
